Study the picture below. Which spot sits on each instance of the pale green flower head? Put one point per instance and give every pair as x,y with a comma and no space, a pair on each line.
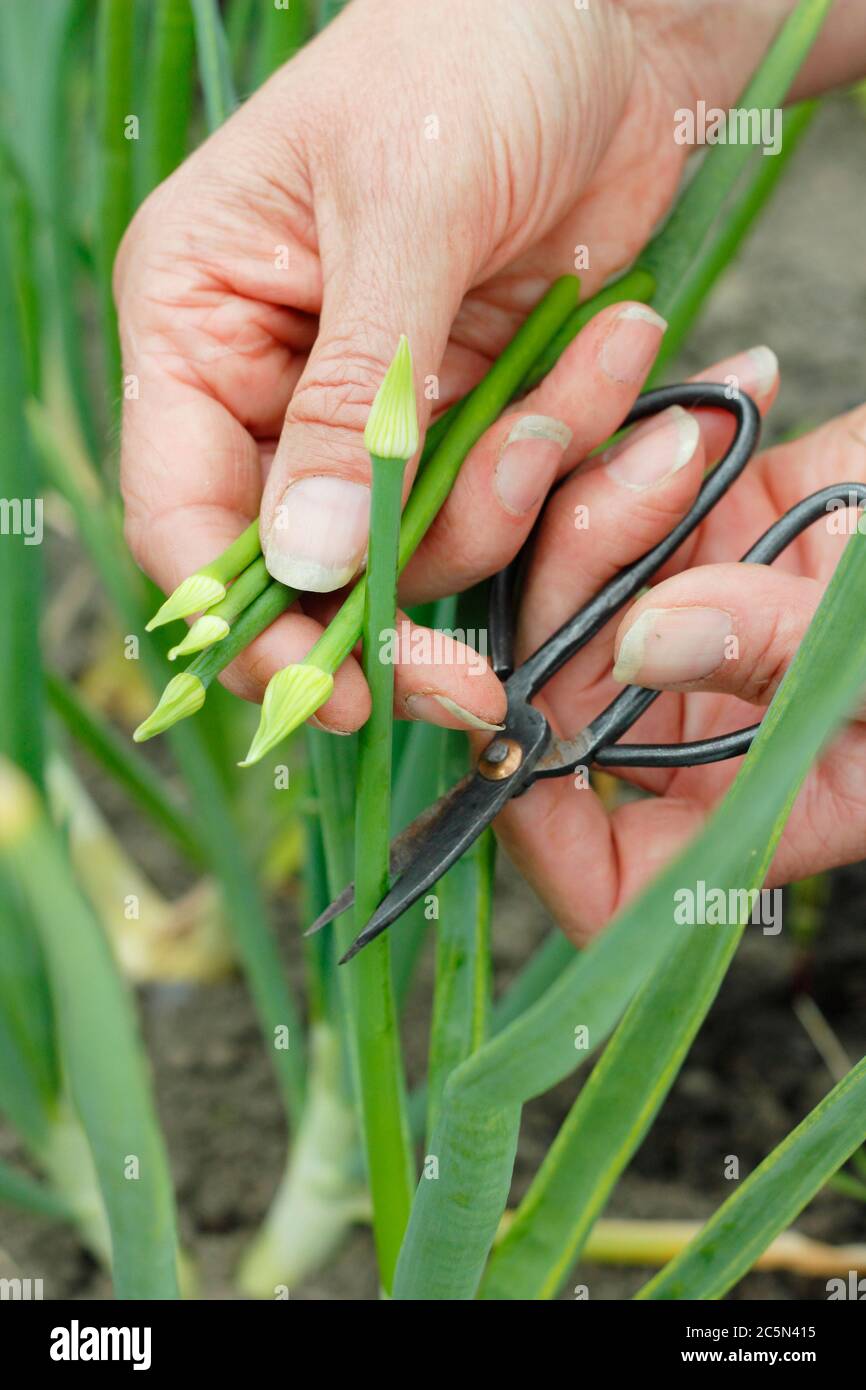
204,632
194,594
293,694
183,695
392,425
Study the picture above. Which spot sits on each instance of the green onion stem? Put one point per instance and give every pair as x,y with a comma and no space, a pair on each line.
239,24
383,1101
283,31
236,556
114,49
248,585
681,304
214,62
671,252
207,585
170,88
275,599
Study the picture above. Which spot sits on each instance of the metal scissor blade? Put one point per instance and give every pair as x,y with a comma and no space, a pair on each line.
402,849
449,828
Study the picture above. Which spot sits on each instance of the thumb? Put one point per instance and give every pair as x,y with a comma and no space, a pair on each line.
316,507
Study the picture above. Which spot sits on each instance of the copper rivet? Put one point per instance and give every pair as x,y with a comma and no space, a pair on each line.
500,760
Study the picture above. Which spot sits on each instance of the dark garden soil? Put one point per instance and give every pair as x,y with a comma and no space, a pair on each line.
753,1072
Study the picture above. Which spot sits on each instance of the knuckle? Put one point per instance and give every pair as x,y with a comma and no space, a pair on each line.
768,663
339,386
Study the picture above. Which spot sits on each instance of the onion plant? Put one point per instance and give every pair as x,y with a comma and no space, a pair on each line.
391,437
73,1078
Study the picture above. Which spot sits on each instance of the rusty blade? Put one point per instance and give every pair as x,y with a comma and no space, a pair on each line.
460,818
403,847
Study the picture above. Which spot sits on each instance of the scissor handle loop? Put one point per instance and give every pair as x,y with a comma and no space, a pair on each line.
528,679
598,742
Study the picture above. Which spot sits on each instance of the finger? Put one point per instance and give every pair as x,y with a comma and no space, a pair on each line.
606,517
442,679
619,506
504,480
316,506
583,863
833,453
586,865
441,675
285,642
778,479
754,372
203,368
732,629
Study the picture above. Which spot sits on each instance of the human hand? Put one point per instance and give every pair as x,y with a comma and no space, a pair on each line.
262,288
717,634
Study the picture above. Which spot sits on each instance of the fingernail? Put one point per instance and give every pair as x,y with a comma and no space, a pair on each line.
755,371
329,728
655,449
632,343
528,462
319,534
429,709
672,646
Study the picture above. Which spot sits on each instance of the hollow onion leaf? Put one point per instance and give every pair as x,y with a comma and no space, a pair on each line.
171,65
670,253
241,23
20,1190
93,732
29,1065
770,1198
214,62
445,1248
245,911
609,1119
20,550
282,31
108,1084
115,105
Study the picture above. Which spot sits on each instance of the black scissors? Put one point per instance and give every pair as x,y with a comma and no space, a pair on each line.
527,749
